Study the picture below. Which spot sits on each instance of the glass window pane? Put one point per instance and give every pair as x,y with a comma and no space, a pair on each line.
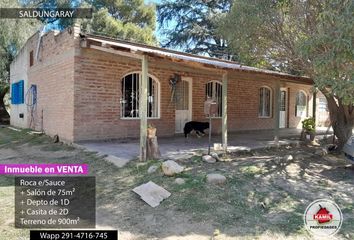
264,102
182,95
214,90
301,104
130,97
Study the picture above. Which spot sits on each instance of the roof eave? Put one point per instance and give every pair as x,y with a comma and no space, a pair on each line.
190,58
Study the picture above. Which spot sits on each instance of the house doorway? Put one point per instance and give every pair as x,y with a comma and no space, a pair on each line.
283,108
183,112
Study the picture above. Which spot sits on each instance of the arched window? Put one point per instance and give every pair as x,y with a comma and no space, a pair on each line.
130,97
213,90
265,102
322,104
301,104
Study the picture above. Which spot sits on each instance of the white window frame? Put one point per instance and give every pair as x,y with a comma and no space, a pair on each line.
154,79
214,96
296,104
260,115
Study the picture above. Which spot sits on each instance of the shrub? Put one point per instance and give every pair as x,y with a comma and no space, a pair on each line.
309,125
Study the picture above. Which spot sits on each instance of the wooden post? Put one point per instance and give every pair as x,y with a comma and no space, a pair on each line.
277,101
143,107
224,111
209,146
314,104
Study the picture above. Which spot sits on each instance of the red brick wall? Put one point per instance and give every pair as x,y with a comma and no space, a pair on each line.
53,74
97,93
79,92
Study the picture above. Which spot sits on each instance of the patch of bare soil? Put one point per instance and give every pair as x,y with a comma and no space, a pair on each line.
264,197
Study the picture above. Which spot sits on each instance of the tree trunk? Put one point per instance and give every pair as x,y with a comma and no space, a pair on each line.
342,120
4,115
343,133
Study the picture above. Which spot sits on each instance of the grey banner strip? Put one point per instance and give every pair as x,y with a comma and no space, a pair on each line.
51,13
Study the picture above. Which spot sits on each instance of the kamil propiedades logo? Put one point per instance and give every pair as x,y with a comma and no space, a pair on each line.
323,217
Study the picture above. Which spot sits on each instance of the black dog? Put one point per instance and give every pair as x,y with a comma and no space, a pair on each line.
198,127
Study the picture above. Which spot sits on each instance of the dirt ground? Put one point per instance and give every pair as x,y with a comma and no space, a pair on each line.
265,195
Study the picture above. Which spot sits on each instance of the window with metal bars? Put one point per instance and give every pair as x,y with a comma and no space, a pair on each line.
265,102
322,104
283,101
213,90
301,104
130,97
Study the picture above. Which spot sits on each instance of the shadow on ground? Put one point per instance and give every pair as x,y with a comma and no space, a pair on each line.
265,195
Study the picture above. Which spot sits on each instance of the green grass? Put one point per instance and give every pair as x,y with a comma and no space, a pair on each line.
12,138
57,147
7,228
196,159
251,170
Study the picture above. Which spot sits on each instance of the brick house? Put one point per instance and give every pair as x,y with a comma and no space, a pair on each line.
87,87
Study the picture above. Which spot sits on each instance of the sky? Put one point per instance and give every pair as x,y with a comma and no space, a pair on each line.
158,33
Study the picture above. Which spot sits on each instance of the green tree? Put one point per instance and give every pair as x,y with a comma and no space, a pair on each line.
313,38
13,34
59,23
131,19
191,26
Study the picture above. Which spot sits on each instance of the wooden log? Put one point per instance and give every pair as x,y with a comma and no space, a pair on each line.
153,151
